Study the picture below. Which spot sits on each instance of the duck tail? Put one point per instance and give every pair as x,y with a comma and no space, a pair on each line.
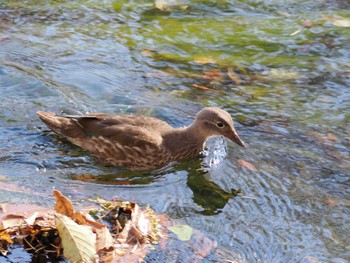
67,127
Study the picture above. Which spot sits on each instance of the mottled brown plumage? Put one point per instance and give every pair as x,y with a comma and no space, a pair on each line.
141,142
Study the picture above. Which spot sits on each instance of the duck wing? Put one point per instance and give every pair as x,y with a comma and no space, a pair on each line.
128,130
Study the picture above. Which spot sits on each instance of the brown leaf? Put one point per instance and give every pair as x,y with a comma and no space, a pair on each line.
202,87
107,255
213,75
130,235
307,23
331,201
79,218
63,205
233,76
104,245
331,137
147,52
136,234
247,165
90,221
104,239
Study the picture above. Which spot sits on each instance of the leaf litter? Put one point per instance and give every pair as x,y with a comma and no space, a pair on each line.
110,231
115,231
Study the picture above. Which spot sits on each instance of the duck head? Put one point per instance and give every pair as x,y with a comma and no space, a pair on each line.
212,121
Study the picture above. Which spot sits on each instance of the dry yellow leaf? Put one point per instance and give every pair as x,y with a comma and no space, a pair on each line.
78,241
4,236
63,205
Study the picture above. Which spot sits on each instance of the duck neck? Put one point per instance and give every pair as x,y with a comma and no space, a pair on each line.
184,143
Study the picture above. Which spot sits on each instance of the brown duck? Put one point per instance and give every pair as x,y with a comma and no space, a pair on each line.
141,142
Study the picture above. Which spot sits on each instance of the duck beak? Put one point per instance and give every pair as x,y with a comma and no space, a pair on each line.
233,136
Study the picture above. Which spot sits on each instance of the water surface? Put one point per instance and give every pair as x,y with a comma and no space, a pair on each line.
281,68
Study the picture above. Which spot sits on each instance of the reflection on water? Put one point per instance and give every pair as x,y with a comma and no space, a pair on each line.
281,70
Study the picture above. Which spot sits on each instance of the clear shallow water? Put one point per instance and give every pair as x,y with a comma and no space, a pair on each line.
292,108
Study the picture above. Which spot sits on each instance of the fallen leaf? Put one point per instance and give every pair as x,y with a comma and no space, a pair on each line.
331,137
232,75
140,221
331,201
162,5
79,218
307,24
108,255
202,87
12,220
296,32
4,236
325,101
90,221
78,242
31,219
215,75
183,232
139,229
247,165
170,5
63,205
204,60
104,245
147,52
342,22
104,239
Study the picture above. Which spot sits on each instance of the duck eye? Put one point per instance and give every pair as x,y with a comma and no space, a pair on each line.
220,124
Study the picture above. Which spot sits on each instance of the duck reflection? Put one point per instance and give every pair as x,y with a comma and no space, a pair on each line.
208,195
